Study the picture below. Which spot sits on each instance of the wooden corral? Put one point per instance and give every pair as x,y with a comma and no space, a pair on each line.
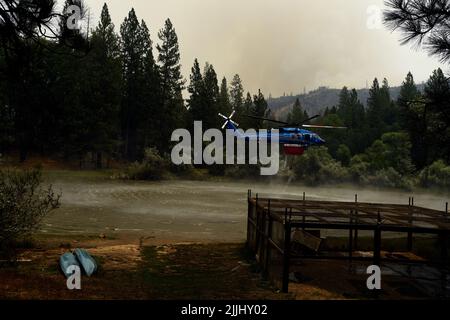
273,223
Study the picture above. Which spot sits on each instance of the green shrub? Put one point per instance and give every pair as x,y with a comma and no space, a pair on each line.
244,171
386,163
317,166
375,155
389,178
152,167
23,205
435,175
398,152
359,169
344,155
181,169
393,150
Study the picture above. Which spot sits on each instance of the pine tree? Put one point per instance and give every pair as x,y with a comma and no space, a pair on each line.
105,37
224,98
389,108
350,109
297,115
354,117
172,82
344,97
6,110
260,109
437,95
413,120
105,83
344,107
236,93
153,113
375,111
169,59
133,50
237,99
211,119
408,91
248,107
196,90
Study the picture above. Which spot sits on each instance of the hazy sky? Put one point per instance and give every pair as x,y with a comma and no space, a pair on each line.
281,45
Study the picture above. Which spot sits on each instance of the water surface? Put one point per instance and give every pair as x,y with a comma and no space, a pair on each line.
188,210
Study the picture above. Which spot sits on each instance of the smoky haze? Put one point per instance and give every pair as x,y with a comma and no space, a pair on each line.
281,46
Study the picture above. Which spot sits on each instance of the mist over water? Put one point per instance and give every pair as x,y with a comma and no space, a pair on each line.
189,210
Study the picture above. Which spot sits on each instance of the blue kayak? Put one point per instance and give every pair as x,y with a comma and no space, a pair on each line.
67,260
87,262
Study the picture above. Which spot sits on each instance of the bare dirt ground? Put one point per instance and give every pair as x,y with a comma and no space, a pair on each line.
149,268
140,269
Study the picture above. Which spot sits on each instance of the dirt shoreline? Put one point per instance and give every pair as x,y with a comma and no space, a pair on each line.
138,268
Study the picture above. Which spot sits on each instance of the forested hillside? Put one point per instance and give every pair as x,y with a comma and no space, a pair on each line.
316,101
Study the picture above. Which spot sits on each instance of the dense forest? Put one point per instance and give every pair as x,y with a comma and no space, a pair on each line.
388,143
114,94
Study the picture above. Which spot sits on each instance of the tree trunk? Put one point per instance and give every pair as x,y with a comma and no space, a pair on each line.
99,160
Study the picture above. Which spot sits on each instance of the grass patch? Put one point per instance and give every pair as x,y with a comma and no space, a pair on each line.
76,175
198,271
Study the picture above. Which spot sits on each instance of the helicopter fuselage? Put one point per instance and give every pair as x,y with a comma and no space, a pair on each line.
293,140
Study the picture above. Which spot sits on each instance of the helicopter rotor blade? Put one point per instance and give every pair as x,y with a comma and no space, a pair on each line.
301,123
312,118
322,127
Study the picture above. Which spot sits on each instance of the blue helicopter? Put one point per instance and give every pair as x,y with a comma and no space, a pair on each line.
294,139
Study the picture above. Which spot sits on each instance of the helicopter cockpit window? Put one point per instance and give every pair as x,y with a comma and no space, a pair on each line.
307,137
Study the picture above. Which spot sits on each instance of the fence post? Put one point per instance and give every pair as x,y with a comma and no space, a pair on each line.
265,238
355,241
249,208
443,239
304,212
268,247
350,237
286,252
410,221
443,242
257,226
